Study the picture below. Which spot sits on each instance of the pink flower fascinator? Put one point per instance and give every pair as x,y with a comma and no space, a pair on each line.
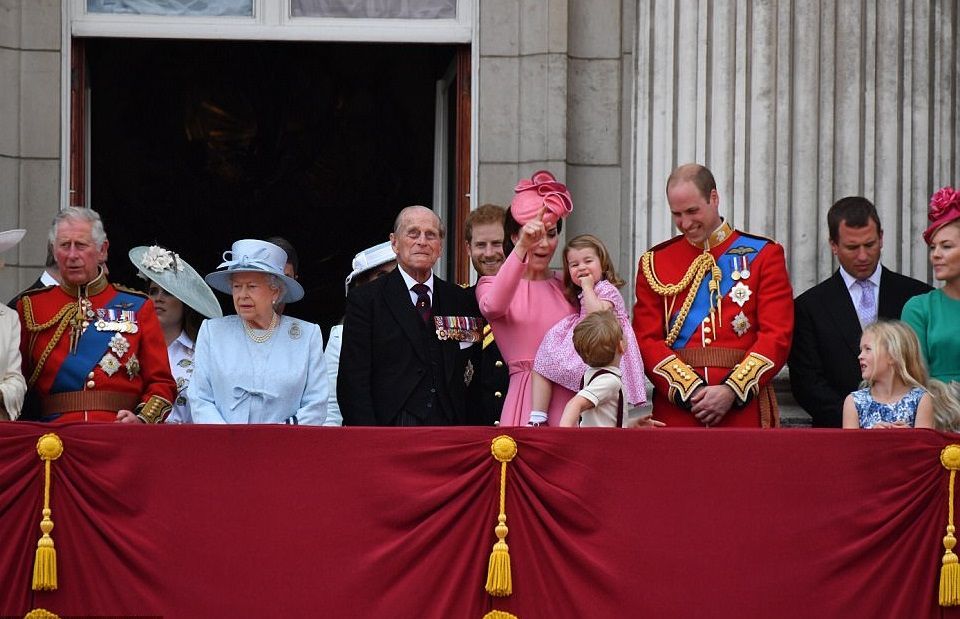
542,190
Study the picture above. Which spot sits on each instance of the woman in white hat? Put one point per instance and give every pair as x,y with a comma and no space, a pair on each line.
182,300
12,385
368,265
258,366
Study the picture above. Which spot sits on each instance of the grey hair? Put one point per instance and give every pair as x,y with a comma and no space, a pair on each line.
275,283
79,213
398,222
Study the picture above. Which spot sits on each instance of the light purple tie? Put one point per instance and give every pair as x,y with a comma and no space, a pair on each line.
866,306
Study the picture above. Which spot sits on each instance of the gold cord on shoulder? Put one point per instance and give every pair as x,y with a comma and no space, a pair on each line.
691,280
63,317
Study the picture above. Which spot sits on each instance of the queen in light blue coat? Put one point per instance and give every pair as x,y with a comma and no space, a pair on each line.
258,366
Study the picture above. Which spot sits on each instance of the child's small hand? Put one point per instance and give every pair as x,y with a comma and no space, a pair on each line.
647,422
586,282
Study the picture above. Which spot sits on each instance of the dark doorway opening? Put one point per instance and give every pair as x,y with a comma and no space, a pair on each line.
194,144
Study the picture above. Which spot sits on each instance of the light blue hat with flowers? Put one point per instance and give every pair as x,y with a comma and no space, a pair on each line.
172,273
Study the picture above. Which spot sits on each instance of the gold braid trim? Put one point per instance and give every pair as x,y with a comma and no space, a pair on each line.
691,279
63,316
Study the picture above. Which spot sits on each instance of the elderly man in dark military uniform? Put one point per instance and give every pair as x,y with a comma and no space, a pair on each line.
92,351
483,229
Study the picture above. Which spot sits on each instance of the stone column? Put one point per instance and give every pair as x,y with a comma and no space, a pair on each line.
30,38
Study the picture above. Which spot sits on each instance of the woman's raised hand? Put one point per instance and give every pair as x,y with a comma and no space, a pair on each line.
532,232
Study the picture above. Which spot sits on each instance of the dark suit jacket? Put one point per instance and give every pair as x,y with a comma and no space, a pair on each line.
826,342
37,284
385,358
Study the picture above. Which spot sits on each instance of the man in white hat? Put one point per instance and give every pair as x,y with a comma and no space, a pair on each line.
92,351
410,339
368,265
12,385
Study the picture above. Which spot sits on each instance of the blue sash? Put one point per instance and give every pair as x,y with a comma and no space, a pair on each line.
73,373
701,303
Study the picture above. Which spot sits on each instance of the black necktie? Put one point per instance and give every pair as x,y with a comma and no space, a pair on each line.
423,302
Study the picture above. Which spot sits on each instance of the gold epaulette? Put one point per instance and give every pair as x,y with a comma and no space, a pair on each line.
681,378
133,291
745,376
61,319
154,410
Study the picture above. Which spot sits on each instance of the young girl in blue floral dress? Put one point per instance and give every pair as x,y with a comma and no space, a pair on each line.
897,391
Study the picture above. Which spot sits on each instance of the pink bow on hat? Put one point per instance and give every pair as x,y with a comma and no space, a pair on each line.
542,190
944,208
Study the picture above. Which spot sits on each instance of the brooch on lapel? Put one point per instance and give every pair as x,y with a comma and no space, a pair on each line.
468,373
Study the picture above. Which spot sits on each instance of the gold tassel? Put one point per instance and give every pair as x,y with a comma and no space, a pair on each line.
950,569
499,577
499,614
49,447
40,613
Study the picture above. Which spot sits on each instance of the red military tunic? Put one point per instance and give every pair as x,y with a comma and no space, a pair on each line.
738,334
119,359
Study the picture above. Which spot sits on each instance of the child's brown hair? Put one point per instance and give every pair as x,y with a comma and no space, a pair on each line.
607,271
597,338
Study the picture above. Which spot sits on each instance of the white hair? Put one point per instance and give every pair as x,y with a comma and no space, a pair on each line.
79,213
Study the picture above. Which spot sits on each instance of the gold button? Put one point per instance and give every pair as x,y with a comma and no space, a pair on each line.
676,366
90,375
706,320
498,364
497,394
706,329
750,364
707,340
91,384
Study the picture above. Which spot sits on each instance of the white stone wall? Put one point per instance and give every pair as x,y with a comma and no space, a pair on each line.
794,104
29,133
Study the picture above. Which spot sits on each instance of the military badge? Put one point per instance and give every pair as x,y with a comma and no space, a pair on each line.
459,328
740,324
740,294
119,345
109,364
133,366
468,373
294,331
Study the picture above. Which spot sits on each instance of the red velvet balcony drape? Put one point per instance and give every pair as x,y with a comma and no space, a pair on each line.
285,521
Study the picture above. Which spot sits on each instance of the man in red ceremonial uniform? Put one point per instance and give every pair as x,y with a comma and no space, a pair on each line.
714,314
92,351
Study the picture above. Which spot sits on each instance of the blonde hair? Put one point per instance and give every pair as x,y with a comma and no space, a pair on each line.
597,338
897,340
607,272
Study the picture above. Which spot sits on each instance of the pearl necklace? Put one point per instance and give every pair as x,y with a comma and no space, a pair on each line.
264,335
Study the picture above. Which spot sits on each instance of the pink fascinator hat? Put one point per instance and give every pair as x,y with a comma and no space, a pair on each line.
541,191
944,208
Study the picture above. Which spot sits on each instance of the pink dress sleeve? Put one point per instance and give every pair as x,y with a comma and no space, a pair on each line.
495,292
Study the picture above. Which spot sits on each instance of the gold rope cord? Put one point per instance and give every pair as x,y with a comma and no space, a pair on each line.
949,568
691,279
63,317
49,448
499,577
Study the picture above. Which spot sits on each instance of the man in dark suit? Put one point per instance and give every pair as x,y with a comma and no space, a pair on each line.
483,230
410,340
829,318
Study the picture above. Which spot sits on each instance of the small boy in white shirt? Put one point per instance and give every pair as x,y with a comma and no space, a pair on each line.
598,340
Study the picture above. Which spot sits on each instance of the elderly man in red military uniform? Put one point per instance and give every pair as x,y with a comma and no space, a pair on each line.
92,351
714,314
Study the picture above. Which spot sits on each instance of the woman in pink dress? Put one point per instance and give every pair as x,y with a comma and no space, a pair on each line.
526,298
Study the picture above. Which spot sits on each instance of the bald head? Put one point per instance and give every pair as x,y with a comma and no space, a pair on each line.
417,240
699,175
416,209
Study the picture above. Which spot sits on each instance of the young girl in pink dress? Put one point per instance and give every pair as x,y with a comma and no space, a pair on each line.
591,283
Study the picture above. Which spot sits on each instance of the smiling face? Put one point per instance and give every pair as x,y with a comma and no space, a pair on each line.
874,361
858,249
253,298
945,252
696,216
168,307
486,248
583,261
417,242
78,257
540,255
